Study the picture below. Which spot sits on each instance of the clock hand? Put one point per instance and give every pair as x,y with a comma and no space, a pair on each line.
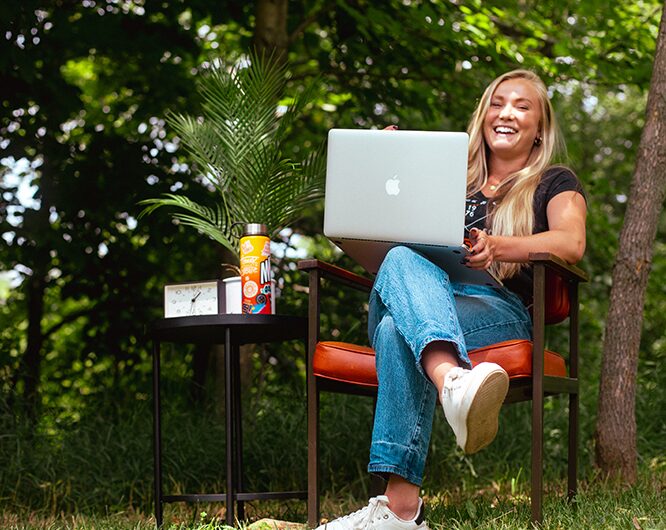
196,296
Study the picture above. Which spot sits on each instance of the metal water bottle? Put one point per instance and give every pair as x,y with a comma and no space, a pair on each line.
255,266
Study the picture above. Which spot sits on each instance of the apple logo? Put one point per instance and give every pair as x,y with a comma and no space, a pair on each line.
393,185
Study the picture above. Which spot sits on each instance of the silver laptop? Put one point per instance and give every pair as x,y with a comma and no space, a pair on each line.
388,188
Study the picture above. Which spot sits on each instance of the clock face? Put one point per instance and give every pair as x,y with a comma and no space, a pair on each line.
190,299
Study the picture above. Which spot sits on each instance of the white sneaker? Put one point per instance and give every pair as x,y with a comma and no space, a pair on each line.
375,516
472,400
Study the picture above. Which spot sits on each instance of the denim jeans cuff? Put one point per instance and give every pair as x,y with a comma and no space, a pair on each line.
384,469
442,335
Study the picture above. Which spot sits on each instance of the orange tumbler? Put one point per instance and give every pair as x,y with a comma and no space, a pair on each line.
255,266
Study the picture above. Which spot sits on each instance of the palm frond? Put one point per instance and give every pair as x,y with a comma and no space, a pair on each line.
238,146
199,140
211,230
213,222
294,111
242,102
300,191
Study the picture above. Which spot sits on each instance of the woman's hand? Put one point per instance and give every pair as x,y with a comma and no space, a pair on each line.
482,254
391,128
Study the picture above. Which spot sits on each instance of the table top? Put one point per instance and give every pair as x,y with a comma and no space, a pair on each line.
245,329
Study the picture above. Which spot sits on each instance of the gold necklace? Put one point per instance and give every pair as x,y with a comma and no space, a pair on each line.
493,187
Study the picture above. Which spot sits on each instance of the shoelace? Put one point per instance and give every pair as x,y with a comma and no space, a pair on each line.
364,518
453,379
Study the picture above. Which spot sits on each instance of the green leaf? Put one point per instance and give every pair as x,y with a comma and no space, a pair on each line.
237,146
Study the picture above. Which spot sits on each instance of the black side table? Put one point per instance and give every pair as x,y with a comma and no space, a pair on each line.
232,331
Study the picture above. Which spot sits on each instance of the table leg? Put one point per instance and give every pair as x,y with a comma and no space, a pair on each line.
239,434
157,436
238,430
229,406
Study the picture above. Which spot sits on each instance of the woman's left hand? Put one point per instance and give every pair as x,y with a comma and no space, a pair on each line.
482,254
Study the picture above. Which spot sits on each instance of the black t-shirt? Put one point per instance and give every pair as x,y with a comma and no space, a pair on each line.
555,180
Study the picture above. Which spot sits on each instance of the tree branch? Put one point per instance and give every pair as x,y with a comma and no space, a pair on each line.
66,320
314,14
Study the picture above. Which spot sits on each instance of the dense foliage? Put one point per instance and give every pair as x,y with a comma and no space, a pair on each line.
85,89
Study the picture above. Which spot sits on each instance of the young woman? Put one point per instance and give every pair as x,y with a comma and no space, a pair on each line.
421,325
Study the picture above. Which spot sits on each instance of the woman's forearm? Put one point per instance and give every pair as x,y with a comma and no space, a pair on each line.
568,245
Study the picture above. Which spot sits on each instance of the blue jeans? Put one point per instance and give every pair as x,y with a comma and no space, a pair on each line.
413,303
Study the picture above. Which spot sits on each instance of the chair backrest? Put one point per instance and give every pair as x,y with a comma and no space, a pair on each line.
557,298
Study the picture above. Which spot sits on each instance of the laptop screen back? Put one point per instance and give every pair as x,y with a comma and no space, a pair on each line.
396,186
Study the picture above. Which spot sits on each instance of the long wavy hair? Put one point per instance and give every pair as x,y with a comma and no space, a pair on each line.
513,211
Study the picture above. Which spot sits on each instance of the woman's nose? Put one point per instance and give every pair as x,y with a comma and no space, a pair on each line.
506,112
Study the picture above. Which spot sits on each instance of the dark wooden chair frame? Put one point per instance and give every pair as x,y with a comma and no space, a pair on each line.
534,389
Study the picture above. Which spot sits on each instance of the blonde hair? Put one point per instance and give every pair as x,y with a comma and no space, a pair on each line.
513,214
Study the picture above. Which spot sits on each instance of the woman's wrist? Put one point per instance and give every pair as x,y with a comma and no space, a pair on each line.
496,242
507,248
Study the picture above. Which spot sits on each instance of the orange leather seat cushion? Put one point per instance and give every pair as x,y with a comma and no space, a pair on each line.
351,363
342,361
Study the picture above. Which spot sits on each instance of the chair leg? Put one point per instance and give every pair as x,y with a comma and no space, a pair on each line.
538,318
537,457
573,446
313,455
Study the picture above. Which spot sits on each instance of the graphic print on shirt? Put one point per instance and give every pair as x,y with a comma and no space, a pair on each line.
476,211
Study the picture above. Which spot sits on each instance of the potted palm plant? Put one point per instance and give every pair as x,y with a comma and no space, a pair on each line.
238,149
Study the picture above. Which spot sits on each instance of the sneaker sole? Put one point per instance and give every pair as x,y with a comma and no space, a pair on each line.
483,415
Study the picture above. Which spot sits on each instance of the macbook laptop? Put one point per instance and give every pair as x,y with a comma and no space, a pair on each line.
388,188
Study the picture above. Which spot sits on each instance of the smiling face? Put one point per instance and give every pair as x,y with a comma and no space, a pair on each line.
512,121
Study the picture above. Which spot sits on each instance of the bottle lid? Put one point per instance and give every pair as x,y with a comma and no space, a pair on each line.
255,229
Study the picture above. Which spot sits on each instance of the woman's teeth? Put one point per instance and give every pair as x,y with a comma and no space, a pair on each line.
504,130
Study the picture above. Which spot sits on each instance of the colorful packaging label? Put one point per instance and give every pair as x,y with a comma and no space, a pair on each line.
255,265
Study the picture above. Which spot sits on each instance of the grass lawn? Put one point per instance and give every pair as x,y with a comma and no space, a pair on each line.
599,505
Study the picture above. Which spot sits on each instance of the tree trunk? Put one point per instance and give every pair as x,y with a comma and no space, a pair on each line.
270,31
36,222
35,288
616,453
37,227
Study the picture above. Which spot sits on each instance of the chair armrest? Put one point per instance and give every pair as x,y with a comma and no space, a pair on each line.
336,273
561,267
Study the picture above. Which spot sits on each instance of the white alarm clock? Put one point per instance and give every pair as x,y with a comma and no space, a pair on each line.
194,298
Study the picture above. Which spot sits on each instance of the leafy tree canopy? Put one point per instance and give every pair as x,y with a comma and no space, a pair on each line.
85,88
